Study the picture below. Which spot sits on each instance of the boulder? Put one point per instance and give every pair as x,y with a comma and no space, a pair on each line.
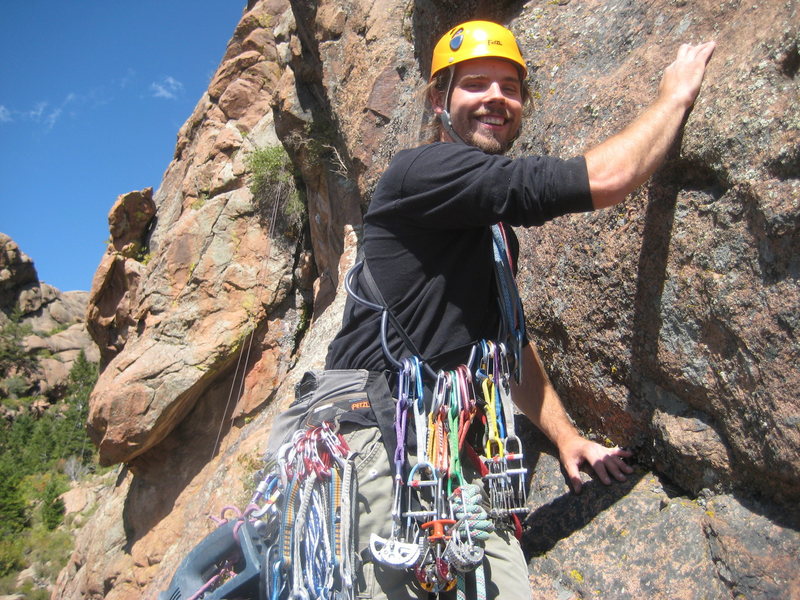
16,272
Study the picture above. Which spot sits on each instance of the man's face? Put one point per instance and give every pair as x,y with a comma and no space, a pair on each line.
485,103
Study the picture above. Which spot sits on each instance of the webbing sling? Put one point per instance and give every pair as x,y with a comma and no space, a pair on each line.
511,311
380,399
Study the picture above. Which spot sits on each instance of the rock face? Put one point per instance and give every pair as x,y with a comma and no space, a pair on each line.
668,324
673,317
55,320
17,274
117,278
215,283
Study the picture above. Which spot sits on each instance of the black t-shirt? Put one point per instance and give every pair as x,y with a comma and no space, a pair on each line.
428,244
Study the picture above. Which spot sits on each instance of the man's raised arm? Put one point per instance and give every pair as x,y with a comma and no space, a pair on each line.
626,160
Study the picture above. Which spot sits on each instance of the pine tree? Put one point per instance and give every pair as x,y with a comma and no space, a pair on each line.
13,518
52,504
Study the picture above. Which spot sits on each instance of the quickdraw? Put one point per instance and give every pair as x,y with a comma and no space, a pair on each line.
506,473
398,552
438,524
321,551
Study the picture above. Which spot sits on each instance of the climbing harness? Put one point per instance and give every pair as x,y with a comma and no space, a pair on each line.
439,537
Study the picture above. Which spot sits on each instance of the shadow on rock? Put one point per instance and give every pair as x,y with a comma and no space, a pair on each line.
558,512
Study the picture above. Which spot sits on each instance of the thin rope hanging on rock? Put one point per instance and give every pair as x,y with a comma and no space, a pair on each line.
241,366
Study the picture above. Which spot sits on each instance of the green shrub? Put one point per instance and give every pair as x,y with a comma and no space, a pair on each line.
273,187
13,517
30,592
57,329
15,387
12,555
49,550
52,505
13,357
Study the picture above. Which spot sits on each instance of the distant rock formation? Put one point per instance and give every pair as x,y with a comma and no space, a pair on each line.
55,320
117,278
668,324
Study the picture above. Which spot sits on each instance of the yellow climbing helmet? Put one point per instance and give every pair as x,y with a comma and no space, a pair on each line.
476,39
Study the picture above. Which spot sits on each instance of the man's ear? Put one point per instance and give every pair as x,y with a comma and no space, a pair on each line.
436,99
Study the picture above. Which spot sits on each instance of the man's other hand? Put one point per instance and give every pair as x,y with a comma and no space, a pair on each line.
606,462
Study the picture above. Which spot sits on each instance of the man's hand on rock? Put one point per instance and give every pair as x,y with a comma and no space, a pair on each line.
682,79
606,462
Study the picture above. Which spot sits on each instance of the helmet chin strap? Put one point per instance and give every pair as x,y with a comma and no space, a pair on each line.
447,123
444,116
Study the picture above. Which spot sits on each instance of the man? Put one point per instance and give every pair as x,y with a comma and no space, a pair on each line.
429,248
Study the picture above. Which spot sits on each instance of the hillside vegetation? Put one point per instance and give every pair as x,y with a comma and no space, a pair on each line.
43,450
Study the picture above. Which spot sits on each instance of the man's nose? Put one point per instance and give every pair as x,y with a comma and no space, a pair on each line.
494,93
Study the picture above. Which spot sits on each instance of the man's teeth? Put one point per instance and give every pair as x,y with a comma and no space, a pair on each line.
492,120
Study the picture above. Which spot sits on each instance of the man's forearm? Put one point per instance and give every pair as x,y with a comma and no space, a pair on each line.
625,161
538,400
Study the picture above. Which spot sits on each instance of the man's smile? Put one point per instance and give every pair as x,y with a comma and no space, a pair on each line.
491,119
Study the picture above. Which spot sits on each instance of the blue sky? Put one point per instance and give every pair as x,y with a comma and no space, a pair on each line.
92,94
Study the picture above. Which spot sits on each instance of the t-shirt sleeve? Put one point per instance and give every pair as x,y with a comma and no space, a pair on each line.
449,185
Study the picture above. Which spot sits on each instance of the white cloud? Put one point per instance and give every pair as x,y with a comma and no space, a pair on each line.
169,88
35,114
42,113
52,117
126,79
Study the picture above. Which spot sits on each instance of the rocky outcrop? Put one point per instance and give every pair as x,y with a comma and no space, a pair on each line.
646,539
668,324
53,322
216,285
17,275
117,278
